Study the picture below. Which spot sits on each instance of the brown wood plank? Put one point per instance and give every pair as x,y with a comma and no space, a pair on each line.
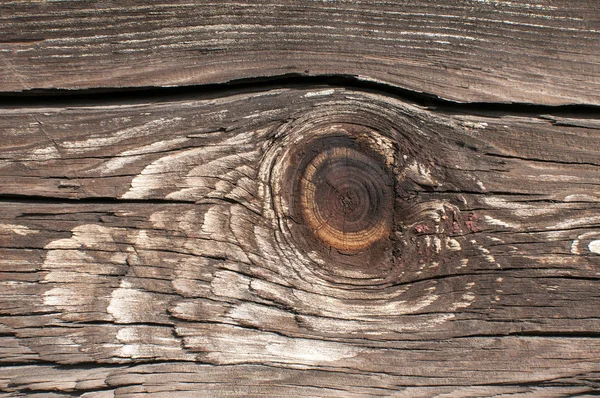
545,52
186,269
152,150
196,380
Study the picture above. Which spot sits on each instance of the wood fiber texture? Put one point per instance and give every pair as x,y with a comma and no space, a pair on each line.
328,223
544,52
152,247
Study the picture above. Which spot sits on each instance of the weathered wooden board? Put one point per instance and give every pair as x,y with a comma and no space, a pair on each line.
156,247
543,52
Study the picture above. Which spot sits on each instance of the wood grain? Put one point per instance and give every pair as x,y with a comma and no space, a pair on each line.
152,248
545,52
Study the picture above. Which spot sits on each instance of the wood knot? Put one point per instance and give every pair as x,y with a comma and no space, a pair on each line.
345,196
330,182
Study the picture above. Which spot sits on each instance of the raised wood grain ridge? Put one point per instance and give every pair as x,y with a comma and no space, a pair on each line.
543,52
152,248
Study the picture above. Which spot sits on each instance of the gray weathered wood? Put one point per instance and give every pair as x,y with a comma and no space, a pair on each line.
545,52
180,269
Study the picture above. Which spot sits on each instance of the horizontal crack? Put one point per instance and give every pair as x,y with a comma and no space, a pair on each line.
103,95
39,199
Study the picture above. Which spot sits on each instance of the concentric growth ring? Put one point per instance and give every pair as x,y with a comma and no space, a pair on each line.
346,198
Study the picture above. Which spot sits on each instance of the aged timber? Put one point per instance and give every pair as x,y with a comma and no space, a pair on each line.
305,199
217,246
544,52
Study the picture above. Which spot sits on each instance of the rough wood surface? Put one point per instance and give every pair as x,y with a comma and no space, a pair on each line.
156,247
544,52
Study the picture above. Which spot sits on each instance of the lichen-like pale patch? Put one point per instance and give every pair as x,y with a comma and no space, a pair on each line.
419,173
321,93
452,244
129,305
500,223
46,153
17,229
61,297
310,351
145,129
594,246
576,222
521,210
465,301
581,198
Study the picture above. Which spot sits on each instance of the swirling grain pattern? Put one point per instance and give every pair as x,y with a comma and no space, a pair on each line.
351,245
